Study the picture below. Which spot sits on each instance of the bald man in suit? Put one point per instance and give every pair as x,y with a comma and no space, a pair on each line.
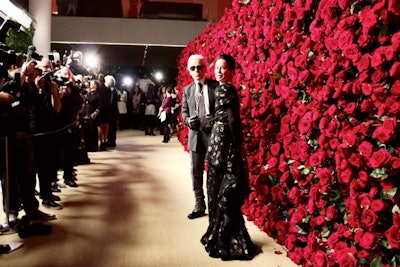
198,108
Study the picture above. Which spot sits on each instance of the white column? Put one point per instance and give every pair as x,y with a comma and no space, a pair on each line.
40,10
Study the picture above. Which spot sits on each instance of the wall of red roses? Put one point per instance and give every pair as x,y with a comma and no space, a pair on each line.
319,83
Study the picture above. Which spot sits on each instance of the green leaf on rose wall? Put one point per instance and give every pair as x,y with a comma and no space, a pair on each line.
388,194
377,262
395,209
379,173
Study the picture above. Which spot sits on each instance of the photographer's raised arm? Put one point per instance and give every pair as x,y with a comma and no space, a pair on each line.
55,97
27,71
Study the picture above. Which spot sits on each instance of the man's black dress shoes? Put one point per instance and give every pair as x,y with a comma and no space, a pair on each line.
196,214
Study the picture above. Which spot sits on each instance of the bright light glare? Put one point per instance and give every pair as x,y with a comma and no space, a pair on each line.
158,75
91,61
127,81
15,13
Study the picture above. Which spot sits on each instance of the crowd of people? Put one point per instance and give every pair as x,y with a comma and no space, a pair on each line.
51,115
39,107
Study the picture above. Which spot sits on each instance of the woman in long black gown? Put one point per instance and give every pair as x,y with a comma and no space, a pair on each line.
226,237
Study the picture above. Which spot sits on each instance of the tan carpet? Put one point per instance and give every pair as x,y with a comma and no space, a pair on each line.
130,210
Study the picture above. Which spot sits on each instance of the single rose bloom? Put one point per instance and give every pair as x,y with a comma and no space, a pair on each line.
346,260
368,241
377,205
369,219
395,71
393,236
319,259
380,158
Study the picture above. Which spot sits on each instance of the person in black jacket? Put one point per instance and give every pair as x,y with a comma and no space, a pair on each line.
114,113
67,121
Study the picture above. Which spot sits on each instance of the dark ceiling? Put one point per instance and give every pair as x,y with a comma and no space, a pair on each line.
125,55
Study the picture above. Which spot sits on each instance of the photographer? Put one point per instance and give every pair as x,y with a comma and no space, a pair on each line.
42,101
67,119
21,175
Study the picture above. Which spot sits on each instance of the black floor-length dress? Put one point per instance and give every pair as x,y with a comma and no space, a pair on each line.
226,237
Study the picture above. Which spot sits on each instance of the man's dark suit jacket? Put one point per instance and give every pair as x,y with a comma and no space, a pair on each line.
189,108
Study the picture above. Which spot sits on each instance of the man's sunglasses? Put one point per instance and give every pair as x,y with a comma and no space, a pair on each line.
199,68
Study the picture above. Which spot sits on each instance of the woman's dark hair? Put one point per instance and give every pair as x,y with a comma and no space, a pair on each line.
229,59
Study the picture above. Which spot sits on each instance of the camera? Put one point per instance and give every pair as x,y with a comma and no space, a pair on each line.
7,55
31,54
13,87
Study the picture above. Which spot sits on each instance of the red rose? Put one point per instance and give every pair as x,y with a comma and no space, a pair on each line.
300,61
275,149
346,260
352,52
304,75
350,108
332,44
394,7
324,175
377,205
282,228
395,89
389,53
395,163
379,158
395,71
290,242
272,162
378,77
294,194
369,219
368,241
363,254
363,176
366,89
296,255
343,4
298,215
319,259
326,11
368,19
363,64
365,128
373,192
345,40
345,176
293,74
396,219
394,105
383,135
333,129
364,40
396,41
393,236
333,239
349,139
277,193
316,159
377,58
365,201
355,160
331,212
334,143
